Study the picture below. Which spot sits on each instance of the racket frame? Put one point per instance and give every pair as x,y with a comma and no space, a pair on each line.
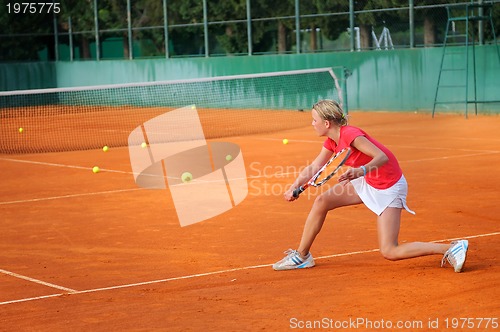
314,178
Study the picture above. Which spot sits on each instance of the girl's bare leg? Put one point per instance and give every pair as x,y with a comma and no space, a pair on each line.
388,224
342,194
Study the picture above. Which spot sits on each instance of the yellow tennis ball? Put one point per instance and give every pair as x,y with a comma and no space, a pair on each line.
186,177
21,130
285,141
144,145
105,148
96,169
229,157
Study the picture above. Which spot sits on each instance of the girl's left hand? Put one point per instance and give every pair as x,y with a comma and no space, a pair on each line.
351,174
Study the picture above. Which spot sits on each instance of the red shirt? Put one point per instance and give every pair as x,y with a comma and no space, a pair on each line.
382,178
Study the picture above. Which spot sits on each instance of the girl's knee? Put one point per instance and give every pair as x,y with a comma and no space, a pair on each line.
389,253
319,201
322,202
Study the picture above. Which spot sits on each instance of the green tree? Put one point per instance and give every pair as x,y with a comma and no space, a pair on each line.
186,40
264,34
282,27
114,15
366,21
24,35
330,26
232,37
429,20
81,14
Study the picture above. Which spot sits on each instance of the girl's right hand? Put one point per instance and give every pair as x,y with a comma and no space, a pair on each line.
288,195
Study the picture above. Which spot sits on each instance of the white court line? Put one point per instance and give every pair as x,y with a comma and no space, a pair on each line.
436,241
62,165
31,200
448,157
290,140
199,275
400,161
446,149
36,281
34,298
448,137
248,177
65,196
393,145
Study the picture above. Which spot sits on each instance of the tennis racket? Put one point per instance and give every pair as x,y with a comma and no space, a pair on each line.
326,172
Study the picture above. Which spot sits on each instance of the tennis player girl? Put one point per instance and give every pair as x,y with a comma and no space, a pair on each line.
375,179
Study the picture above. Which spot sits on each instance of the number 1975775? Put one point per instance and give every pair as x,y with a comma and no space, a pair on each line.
33,7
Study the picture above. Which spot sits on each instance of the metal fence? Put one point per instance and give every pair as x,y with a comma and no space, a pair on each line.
302,30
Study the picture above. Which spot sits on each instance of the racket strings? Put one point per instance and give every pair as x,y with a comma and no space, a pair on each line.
334,167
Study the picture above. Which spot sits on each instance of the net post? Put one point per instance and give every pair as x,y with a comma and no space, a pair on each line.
249,28
56,38
129,31
96,24
205,27
165,27
297,26
351,23
346,73
412,23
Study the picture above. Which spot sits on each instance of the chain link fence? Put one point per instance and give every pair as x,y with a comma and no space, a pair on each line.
95,30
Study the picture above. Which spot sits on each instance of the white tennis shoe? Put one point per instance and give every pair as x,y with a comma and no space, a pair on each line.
293,261
456,255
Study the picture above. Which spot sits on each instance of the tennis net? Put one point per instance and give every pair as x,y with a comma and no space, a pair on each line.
68,119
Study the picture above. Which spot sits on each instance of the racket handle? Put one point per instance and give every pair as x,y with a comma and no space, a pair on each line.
298,191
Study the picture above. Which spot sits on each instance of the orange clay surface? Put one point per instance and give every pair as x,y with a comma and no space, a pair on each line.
93,252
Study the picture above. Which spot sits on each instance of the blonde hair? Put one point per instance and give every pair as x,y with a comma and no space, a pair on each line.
331,110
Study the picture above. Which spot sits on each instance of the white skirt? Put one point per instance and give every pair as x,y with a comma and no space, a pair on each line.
378,200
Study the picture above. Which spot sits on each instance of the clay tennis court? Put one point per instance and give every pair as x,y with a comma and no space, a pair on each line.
83,251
